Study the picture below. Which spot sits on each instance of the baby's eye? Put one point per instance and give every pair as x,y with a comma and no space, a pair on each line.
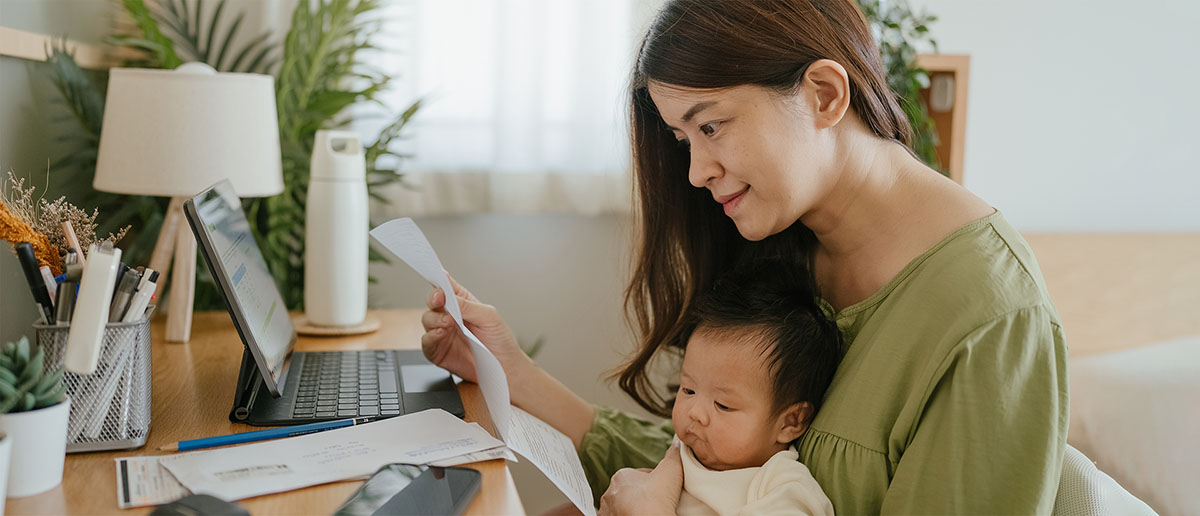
722,407
710,128
687,391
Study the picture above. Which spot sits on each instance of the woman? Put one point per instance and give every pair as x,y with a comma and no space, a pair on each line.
951,396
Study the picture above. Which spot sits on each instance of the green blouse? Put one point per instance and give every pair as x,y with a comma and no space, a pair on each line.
951,397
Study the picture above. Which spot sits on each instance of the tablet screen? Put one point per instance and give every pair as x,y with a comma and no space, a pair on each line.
242,276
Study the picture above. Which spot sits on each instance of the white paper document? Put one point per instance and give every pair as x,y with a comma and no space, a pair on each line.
333,455
553,453
547,448
143,482
404,239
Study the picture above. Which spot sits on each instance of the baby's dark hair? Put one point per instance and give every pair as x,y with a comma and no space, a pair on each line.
772,304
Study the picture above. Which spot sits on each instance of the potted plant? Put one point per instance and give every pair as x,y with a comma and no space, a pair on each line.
34,412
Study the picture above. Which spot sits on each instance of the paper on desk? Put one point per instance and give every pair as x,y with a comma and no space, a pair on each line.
404,239
553,453
295,462
141,481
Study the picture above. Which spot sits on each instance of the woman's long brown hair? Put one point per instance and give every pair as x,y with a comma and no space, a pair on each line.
685,239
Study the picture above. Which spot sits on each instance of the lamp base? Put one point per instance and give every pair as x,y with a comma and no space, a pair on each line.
177,244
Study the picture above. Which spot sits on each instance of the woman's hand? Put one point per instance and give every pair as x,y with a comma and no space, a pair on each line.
445,345
645,491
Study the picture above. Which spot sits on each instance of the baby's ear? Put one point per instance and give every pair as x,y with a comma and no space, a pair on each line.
792,422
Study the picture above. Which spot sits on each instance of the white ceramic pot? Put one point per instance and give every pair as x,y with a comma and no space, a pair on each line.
39,447
5,451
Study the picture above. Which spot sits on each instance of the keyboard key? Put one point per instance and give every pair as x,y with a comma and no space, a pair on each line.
387,384
389,396
347,406
307,405
368,411
387,406
344,413
326,403
389,412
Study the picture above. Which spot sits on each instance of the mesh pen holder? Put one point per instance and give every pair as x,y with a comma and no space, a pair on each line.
110,408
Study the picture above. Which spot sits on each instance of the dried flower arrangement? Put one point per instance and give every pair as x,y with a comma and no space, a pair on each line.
23,219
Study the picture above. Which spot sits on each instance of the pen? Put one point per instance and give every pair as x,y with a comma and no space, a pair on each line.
127,283
48,279
37,284
141,298
262,435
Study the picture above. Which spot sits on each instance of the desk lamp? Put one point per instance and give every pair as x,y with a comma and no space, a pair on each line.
173,133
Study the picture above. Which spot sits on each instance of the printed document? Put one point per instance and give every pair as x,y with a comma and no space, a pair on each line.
550,450
286,464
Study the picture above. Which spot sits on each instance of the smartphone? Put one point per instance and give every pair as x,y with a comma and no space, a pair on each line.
407,489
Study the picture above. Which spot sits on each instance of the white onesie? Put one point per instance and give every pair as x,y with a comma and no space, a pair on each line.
781,486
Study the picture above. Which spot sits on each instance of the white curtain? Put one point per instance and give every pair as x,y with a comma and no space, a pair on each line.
525,104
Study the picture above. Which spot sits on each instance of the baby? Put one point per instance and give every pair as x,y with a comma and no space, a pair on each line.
755,369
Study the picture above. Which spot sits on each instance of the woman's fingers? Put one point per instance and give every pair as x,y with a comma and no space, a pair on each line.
431,345
459,290
436,299
669,472
435,320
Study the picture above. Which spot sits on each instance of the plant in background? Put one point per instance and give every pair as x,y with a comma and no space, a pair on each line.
24,385
899,31
319,76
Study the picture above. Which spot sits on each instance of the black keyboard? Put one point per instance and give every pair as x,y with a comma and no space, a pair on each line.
341,384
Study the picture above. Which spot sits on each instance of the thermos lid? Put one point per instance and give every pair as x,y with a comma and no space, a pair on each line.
338,156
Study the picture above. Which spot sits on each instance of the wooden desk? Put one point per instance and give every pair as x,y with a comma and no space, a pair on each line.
193,392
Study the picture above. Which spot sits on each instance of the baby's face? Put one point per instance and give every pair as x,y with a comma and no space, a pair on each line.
723,410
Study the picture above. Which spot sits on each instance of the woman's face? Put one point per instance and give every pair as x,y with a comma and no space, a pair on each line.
756,150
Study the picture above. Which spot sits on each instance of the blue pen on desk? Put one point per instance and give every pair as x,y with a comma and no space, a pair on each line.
262,435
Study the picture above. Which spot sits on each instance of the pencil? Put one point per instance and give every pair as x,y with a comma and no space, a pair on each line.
73,241
262,435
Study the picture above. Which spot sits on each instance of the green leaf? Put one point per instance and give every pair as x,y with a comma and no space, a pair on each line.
22,351
50,381
145,21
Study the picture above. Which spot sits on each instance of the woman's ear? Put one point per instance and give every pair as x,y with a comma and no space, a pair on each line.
792,422
826,88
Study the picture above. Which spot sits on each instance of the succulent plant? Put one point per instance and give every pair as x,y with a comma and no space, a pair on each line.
23,383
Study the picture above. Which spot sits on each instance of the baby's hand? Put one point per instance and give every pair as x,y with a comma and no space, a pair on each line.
645,491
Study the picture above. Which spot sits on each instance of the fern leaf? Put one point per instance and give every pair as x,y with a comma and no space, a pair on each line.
165,52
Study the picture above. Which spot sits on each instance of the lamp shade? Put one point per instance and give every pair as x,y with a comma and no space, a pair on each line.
176,132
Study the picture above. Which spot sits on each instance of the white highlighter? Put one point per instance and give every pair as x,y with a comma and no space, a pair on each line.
86,338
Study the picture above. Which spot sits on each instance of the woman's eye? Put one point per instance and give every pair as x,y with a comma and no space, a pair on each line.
722,407
709,129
